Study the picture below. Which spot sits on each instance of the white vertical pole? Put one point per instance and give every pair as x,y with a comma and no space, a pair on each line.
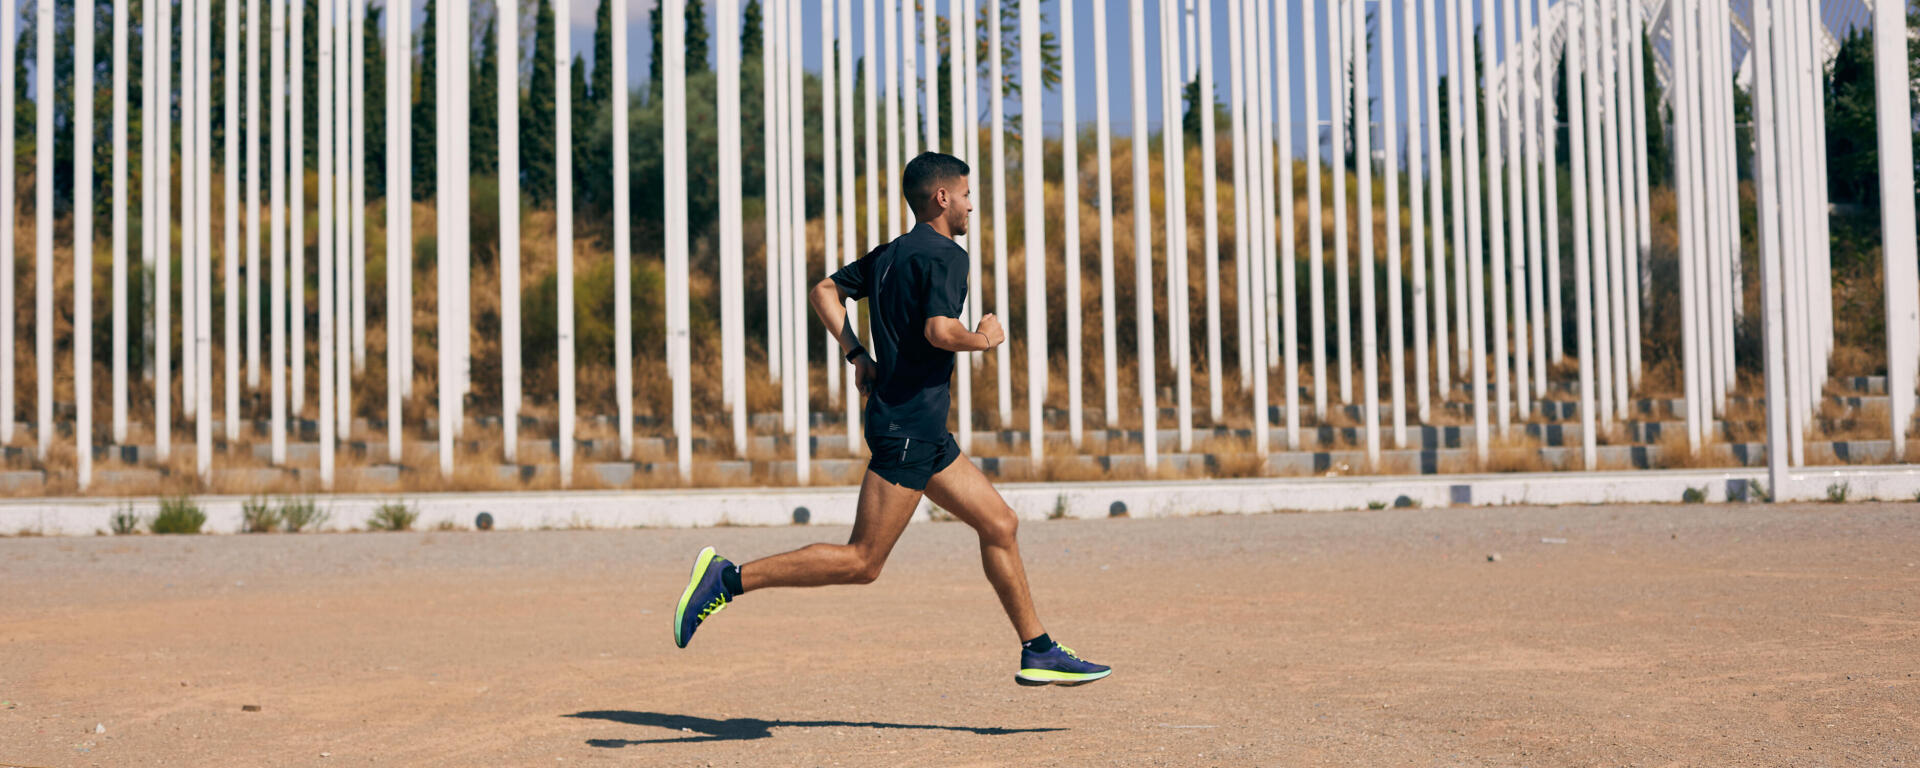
1631,224
1609,95
203,269
1260,266
1035,250
83,241
849,245
1316,221
1174,181
325,260
254,21
563,173
345,182
1549,126
909,86
1642,205
452,237
1070,227
780,250
1210,206
277,250
1363,173
357,173
931,38
1237,102
890,38
1103,151
1187,21
400,176
396,242
1511,77
189,201
121,10
1712,198
830,152
296,208
1770,214
1416,209
675,147
1476,276
1459,80
623,221
1442,375
1582,273
1530,122
1142,235
1339,48
1273,68
732,333
508,80
1244,231
10,224
1895,118
996,122
771,136
969,54
1686,189
797,248
1390,142
43,362
230,244
1793,223
1604,326
160,120
1496,209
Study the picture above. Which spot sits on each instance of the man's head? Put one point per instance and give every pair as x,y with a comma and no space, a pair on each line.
936,189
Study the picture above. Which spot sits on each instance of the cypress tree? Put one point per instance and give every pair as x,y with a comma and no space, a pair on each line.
586,151
376,101
536,113
696,37
425,165
600,88
484,115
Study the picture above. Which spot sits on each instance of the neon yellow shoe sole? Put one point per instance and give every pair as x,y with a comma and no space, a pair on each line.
704,594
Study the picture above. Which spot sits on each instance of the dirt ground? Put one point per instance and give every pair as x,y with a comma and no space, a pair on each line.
1659,635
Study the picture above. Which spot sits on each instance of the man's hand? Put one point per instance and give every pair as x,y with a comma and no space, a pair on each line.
990,328
863,372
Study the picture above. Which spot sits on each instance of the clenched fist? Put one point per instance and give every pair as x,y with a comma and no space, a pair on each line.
990,328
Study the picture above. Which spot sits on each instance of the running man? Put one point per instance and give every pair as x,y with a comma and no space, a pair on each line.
914,287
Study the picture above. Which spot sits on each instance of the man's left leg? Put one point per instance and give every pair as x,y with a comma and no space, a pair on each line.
960,488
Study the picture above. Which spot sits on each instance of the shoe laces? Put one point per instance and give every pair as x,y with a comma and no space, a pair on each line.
713,606
1068,651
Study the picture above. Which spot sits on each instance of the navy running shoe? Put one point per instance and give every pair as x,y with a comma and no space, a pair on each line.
705,596
1058,665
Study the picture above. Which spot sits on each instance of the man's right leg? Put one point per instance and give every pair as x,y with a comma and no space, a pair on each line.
883,513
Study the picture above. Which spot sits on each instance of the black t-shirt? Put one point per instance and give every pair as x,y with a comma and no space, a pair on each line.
920,274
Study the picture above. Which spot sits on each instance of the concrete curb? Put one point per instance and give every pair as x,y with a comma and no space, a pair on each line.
693,508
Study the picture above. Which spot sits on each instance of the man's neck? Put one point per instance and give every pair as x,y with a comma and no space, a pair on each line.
939,225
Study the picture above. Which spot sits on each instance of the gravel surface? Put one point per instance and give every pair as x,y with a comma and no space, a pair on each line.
1617,635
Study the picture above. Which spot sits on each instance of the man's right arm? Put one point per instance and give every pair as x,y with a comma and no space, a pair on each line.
951,335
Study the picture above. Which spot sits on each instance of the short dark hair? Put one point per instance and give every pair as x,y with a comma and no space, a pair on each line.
924,175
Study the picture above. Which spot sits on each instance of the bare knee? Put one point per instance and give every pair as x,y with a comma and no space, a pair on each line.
862,567
999,528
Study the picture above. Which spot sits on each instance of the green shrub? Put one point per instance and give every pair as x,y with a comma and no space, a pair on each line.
299,514
1837,493
178,514
1693,495
394,516
257,517
126,521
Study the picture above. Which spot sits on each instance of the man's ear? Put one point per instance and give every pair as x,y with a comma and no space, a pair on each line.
942,198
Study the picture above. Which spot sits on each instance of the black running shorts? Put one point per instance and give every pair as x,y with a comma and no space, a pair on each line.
909,462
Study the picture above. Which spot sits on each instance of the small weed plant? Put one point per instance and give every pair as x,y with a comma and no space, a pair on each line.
1837,493
393,516
178,514
1694,495
126,521
297,515
256,516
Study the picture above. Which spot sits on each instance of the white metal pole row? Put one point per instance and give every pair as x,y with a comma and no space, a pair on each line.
1504,309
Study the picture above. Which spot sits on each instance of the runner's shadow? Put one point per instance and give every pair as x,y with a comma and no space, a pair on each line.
749,729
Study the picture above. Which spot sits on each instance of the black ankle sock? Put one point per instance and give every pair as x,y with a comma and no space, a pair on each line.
1040,644
730,579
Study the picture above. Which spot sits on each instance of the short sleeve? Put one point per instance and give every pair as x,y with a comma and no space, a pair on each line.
852,279
946,285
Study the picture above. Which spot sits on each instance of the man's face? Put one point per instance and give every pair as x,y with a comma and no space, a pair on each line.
959,194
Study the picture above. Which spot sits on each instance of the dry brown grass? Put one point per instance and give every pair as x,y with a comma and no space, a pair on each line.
1516,452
